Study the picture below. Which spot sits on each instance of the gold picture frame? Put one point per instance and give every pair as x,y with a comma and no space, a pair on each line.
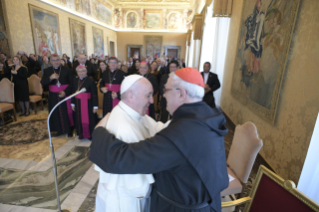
262,50
46,31
153,19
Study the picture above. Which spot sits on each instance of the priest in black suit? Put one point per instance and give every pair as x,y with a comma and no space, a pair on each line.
84,105
187,158
110,85
60,80
82,60
211,85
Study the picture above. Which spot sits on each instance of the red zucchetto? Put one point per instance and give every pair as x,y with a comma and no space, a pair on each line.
191,75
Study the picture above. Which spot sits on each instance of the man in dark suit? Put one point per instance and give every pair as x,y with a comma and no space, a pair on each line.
82,60
161,68
211,85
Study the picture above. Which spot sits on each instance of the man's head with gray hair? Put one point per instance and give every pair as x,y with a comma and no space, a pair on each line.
184,86
139,94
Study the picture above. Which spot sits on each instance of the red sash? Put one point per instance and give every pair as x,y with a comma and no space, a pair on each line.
56,89
116,88
84,97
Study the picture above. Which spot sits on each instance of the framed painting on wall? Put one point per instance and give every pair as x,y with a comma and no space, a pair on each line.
4,35
153,46
46,32
98,41
266,29
153,19
78,37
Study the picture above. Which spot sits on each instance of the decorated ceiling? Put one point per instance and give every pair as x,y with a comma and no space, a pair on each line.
133,15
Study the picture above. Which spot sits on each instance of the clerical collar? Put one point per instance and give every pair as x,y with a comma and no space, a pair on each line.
131,112
83,78
113,70
206,73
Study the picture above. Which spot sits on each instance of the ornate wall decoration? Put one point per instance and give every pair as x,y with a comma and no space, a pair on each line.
46,32
174,20
153,19
132,19
78,37
103,11
153,45
98,41
263,45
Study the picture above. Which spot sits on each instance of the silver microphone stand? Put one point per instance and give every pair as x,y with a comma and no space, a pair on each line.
52,149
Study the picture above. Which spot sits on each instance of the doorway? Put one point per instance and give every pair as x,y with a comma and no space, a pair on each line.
135,51
112,50
172,52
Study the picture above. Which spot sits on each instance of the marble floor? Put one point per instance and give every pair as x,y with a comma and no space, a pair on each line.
26,177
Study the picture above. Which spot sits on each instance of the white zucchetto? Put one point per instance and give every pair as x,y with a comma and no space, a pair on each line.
129,81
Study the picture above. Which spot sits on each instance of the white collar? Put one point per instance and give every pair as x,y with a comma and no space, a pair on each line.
131,112
206,73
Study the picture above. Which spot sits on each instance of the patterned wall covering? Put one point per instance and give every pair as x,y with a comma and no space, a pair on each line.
286,142
104,12
21,34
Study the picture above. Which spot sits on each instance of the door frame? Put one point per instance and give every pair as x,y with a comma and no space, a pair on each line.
179,48
128,53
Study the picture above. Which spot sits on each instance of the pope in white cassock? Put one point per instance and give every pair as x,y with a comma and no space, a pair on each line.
128,121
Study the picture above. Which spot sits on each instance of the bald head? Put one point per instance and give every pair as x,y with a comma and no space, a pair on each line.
139,96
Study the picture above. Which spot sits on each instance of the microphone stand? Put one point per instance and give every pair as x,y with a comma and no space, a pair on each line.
52,149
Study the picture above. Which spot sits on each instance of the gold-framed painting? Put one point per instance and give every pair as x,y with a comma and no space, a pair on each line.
98,41
46,32
265,34
78,37
153,19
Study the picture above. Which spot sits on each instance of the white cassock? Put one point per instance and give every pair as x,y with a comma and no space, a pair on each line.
122,192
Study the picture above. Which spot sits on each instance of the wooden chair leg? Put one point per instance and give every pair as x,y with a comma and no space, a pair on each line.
35,107
42,104
2,117
14,114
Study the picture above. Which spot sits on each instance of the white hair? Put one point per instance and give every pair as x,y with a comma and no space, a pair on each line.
192,90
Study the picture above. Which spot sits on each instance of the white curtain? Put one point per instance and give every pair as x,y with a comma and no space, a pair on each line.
214,46
309,179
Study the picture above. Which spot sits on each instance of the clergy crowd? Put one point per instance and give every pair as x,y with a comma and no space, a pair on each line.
160,143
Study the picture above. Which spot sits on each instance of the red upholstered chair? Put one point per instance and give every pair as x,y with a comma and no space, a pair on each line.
272,193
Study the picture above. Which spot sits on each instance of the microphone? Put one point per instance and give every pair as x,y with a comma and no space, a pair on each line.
52,148
82,90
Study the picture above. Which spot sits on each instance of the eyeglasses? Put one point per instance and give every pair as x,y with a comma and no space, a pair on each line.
54,60
170,89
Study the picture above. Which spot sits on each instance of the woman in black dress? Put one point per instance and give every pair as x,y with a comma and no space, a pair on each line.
102,67
20,79
135,67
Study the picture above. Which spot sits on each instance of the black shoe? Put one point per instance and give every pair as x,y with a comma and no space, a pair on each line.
22,114
70,135
27,114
